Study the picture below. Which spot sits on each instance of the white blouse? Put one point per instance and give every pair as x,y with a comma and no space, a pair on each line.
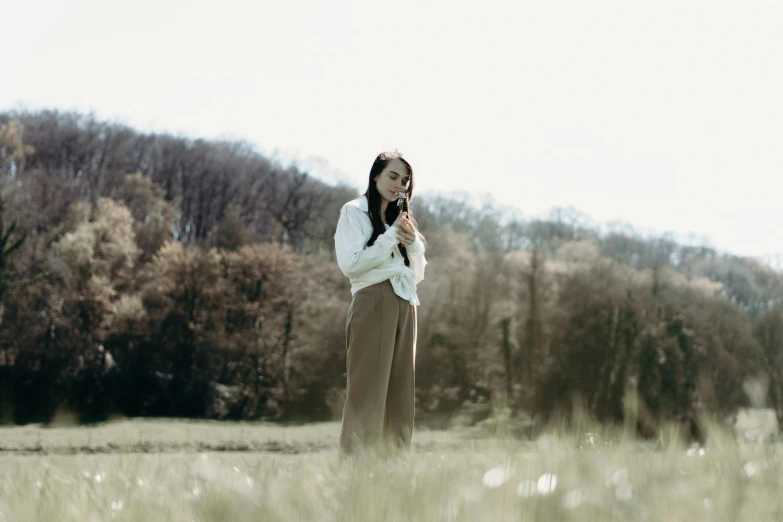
365,266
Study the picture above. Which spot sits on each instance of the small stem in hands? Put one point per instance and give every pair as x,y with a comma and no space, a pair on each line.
401,199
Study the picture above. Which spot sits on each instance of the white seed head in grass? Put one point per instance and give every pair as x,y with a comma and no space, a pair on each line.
496,476
546,484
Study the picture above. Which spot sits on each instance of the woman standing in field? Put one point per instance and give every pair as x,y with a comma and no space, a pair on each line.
382,254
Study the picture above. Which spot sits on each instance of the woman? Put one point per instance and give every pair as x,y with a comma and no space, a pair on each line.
380,251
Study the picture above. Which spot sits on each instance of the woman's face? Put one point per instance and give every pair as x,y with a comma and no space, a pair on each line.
392,179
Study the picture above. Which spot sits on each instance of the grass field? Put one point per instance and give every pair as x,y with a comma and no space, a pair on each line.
154,470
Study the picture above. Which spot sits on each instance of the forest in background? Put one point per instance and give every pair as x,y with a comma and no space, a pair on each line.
160,275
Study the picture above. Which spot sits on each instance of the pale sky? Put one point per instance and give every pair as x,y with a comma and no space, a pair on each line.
667,115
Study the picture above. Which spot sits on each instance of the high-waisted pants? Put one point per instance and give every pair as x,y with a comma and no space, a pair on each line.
380,335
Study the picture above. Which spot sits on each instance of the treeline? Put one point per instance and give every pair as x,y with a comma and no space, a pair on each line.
150,274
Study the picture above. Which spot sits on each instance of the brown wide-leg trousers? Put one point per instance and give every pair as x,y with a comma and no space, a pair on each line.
380,337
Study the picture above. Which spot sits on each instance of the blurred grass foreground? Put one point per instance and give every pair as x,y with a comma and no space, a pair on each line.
175,470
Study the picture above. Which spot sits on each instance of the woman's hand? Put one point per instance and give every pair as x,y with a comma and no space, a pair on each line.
406,232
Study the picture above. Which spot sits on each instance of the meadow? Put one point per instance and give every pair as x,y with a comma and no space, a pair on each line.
178,470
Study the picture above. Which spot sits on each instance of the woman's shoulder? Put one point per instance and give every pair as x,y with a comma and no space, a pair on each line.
355,205
353,215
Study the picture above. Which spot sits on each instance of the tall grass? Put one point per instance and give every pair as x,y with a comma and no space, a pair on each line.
582,472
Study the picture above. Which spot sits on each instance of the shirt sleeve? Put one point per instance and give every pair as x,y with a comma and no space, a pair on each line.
417,259
354,257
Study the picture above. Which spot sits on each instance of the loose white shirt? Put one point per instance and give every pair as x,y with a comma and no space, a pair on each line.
367,265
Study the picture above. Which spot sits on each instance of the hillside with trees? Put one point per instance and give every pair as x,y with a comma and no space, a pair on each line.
160,275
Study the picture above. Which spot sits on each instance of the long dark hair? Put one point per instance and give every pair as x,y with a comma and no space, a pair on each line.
392,210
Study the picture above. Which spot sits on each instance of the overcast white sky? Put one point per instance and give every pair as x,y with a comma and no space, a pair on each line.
666,114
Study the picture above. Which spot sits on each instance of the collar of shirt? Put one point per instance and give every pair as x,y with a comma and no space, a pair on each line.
365,206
